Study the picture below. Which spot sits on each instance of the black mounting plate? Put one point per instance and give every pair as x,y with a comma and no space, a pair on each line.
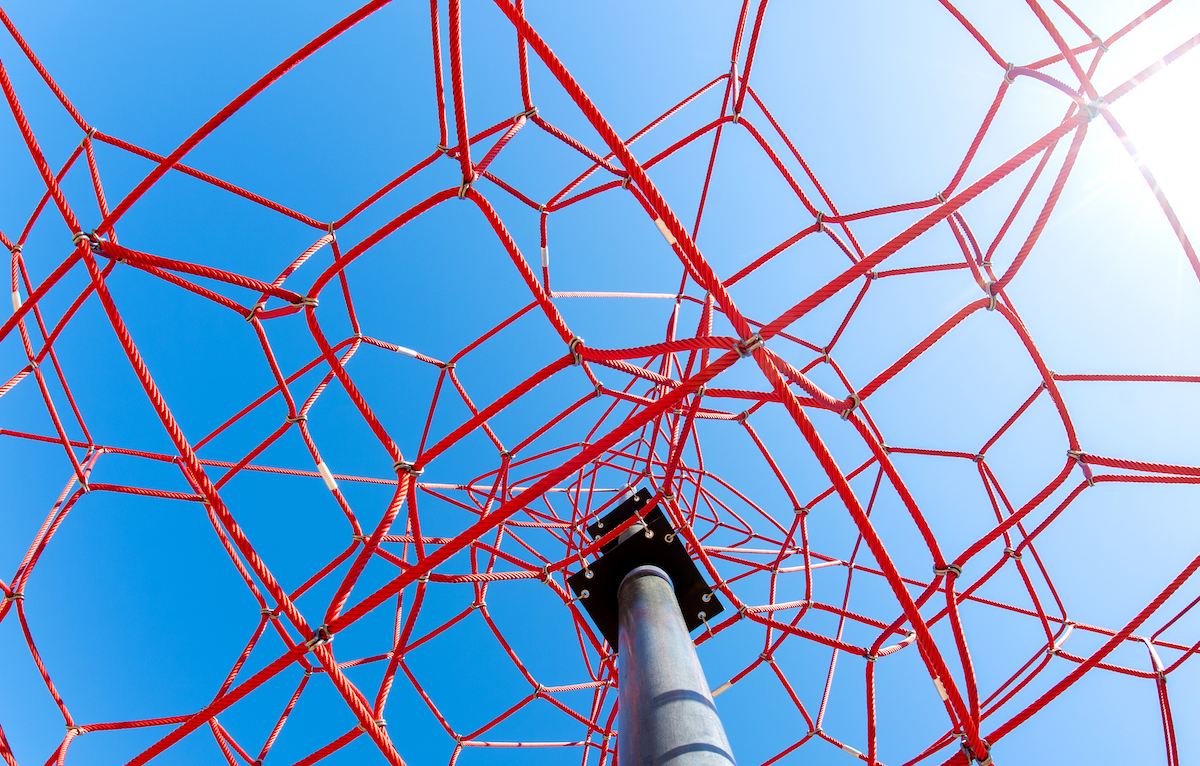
663,549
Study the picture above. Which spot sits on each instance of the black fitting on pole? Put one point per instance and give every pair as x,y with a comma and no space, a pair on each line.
646,595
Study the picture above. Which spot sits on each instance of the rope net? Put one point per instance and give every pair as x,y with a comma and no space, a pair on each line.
419,486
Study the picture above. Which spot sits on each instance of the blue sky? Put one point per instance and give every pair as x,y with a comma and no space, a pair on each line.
136,608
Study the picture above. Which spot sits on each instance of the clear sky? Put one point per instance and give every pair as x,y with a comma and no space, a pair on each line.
149,589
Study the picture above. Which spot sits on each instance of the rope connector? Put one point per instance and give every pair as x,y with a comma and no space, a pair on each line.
15,249
766,657
987,758
1008,78
820,221
855,400
322,638
747,346
989,288
254,311
447,366
625,182
955,568
298,419
1013,553
1093,108
530,112
267,611
407,467
306,300
1102,46
940,198
573,345
16,595
92,240
74,730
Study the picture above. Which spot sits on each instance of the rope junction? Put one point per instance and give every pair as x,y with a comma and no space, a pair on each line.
646,412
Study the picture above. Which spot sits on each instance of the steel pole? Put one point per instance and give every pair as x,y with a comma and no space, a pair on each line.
667,714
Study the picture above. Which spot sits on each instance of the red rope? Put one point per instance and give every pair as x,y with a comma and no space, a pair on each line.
645,411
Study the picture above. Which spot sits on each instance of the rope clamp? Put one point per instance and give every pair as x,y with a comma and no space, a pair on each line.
92,240
322,638
625,183
820,221
298,419
306,300
746,346
447,366
987,758
1008,78
254,311
940,198
407,467
15,249
16,595
955,568
75,730
573,345
855,401
1013,552
988,288
464,188
1098,39
1092,109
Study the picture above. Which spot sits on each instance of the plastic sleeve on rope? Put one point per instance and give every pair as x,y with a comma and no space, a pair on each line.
16,301
545,257
406,351
852,751
941,689
662,227
327,476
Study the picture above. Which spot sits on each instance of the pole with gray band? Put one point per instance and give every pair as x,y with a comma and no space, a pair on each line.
667,715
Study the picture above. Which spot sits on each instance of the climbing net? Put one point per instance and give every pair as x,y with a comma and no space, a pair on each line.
889,589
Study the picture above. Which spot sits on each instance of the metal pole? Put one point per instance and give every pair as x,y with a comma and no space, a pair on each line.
667,714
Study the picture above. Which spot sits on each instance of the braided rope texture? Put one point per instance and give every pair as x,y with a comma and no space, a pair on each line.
386,427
